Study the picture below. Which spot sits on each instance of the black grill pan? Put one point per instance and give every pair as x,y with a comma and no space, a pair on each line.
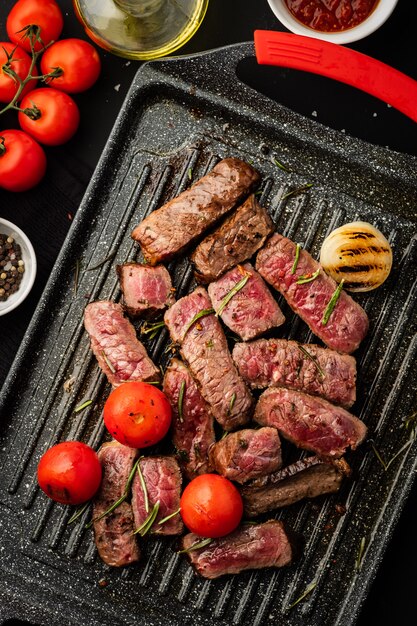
179,118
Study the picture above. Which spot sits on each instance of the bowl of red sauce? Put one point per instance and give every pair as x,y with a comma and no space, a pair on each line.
339,21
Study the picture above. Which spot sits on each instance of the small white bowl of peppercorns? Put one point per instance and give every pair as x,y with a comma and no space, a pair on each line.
17,266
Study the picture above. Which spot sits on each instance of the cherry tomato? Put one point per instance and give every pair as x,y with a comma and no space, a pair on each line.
137,414
22,161
43,13
79,61
20,64
69,472
211,506
57,118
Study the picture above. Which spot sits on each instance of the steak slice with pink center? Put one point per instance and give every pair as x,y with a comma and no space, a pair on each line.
146,290
192,420
309,422
119,353
252,546
347,324
204,348
252,310
304,367
247,454
162,479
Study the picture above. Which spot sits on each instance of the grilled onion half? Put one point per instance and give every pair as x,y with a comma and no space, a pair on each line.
359,253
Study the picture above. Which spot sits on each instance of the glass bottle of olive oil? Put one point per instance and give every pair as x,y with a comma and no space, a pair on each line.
140,29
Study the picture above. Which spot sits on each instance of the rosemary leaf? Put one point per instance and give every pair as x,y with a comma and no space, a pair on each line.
297,257
307,278
358,562
332,303
78,513
83,406
196,546
410,423
143,485
281,166
108,362
313,359
168,517
242,282
181,401
101,263
151,328
378,455
305,593
232,403
293,192
190,173
148,523
197,316
400,451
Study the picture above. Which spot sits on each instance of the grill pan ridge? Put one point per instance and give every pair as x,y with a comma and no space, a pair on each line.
180,117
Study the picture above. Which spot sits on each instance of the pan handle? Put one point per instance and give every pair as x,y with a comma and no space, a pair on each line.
342,64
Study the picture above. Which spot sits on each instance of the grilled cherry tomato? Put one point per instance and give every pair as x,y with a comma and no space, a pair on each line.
20,64
56,116
211,506
79,62
69,472
22,161
137,414
43,13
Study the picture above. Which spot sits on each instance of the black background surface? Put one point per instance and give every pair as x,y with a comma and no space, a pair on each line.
45,213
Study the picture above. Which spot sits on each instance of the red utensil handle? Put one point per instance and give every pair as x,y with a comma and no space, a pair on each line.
342,64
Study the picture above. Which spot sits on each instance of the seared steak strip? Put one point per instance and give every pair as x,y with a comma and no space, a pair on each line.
238,238
192,420
204,348
252,311
118,351
146,290
170,229
113,532
249,547
247,454
305,367
309,422
348,322
308,478
162,479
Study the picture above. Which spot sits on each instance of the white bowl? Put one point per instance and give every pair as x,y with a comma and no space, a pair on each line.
29,258
378,16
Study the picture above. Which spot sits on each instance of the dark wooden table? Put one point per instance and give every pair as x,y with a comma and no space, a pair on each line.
45,213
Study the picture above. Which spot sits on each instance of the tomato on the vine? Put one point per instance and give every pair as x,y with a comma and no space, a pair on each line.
20,64
70,472
137,414
22,161
211,506
56,116
79,62
43,13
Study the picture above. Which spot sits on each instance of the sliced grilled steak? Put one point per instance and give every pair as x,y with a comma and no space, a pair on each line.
238,238
192,420
146,290
118,351
250,547
162,477
204,348
247,454
347,324
311,423
169,230
252,311
113,532
308,478
306,367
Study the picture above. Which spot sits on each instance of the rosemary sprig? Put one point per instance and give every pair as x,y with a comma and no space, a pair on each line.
153,328
307,278
168,517
298,190
242,282
148,523
78,512
197,316
385,464
190,173
83,406
410,423
232,403
305,593
332,303
359,557
181,401
196,546
119,501
297,257
313,359
108,362
143,485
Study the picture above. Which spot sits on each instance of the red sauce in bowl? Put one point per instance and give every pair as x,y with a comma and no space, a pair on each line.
331,15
